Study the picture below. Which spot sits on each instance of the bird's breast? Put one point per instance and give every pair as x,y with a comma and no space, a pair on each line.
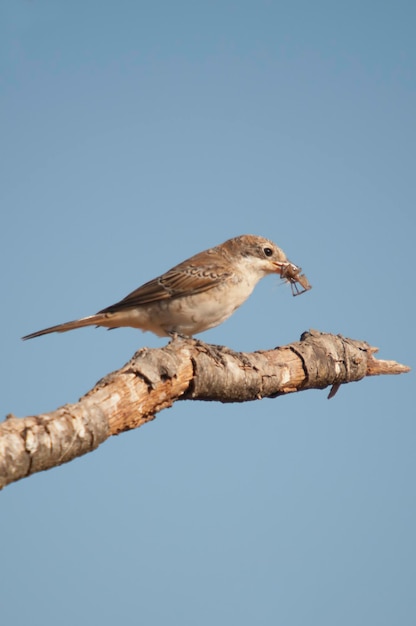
191,314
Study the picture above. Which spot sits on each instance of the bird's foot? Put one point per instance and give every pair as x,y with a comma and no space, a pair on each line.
215,352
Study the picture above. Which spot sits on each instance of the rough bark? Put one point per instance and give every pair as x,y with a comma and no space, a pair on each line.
183,370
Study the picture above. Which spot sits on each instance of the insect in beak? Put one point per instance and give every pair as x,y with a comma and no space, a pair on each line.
291,273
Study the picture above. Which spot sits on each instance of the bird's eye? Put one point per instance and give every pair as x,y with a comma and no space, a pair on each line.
268,251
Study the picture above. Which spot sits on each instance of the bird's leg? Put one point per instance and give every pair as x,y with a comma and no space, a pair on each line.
175,336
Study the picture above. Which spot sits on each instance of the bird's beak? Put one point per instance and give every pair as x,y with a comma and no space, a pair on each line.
280,266
292,274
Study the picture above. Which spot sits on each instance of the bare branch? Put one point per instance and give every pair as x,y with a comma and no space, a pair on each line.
183,370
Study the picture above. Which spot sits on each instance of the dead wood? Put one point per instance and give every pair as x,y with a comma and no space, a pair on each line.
183,370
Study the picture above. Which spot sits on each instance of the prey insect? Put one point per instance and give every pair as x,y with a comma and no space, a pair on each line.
298,282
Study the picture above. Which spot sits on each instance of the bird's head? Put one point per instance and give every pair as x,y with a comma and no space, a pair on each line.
262,256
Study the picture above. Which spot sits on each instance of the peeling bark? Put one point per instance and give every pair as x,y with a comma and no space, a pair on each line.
183,370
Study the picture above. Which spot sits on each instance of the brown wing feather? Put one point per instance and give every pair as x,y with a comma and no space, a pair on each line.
183,280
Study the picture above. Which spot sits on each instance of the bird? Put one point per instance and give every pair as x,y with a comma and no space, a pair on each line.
198,294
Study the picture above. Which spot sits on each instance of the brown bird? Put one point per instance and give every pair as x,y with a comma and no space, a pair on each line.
197,294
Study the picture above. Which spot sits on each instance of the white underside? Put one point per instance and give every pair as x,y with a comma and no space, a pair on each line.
188,315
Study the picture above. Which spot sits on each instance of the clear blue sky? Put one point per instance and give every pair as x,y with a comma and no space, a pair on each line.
135,134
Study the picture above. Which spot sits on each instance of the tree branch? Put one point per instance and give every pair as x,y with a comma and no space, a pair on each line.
183,370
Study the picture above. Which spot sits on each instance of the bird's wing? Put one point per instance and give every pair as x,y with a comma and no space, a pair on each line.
183,280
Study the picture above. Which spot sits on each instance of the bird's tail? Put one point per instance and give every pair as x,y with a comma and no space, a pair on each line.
99,319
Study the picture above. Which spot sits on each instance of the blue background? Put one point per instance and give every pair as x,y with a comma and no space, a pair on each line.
135,134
